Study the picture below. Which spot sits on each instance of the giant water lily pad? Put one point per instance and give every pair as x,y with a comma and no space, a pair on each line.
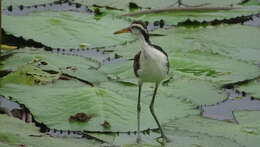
178,138
14,132
210,67
125,4
236,41
252,88
245,133
154,3
30,75
231,41
78,67
202,59
61,103
199,16
65,29
105,105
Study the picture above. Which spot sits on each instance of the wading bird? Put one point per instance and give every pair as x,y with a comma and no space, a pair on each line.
151,64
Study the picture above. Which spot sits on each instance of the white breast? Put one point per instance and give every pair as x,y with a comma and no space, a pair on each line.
153,65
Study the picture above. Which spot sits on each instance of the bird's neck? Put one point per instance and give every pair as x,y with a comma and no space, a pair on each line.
144,37
145,41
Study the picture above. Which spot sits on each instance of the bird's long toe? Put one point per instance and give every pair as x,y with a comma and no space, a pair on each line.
163,139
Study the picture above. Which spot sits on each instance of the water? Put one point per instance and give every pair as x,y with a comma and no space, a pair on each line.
236,101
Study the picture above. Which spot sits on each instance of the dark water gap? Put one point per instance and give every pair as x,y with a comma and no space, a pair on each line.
236,101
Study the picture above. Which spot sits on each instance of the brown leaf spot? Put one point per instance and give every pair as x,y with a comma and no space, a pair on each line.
72,68
106,124
81,117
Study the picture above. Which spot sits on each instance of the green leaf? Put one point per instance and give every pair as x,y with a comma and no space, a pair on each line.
65,29
154,3
120,111
211,2
245,133
76,66
14,132
62,102
176,17
215,68
178,138
251,88
125,4
196,91
29,75
234,41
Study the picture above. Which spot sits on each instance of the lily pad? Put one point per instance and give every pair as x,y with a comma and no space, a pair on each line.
245,133
79,67
178,138
15,3
226,40
106,105
61,103
153,3
253,88
65,29
15,132
30,75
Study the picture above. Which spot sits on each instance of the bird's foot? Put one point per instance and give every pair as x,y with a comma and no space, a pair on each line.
163,139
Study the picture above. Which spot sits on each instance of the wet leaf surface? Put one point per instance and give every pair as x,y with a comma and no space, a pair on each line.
253,88
241,133
15,132
68,28
82,82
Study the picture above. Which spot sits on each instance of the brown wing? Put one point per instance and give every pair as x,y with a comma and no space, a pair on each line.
136,63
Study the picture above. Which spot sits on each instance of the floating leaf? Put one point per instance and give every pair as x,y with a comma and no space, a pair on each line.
179,16
14,132
65,29
240,133
75,66
30,75
106,105
153,3
253,88
178,138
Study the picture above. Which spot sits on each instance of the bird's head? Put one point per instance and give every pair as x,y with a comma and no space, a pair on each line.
137,28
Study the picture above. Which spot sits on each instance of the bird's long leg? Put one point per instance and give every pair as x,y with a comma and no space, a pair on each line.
152,111
138,111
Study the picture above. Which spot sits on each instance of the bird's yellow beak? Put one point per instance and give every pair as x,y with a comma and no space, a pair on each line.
124,30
